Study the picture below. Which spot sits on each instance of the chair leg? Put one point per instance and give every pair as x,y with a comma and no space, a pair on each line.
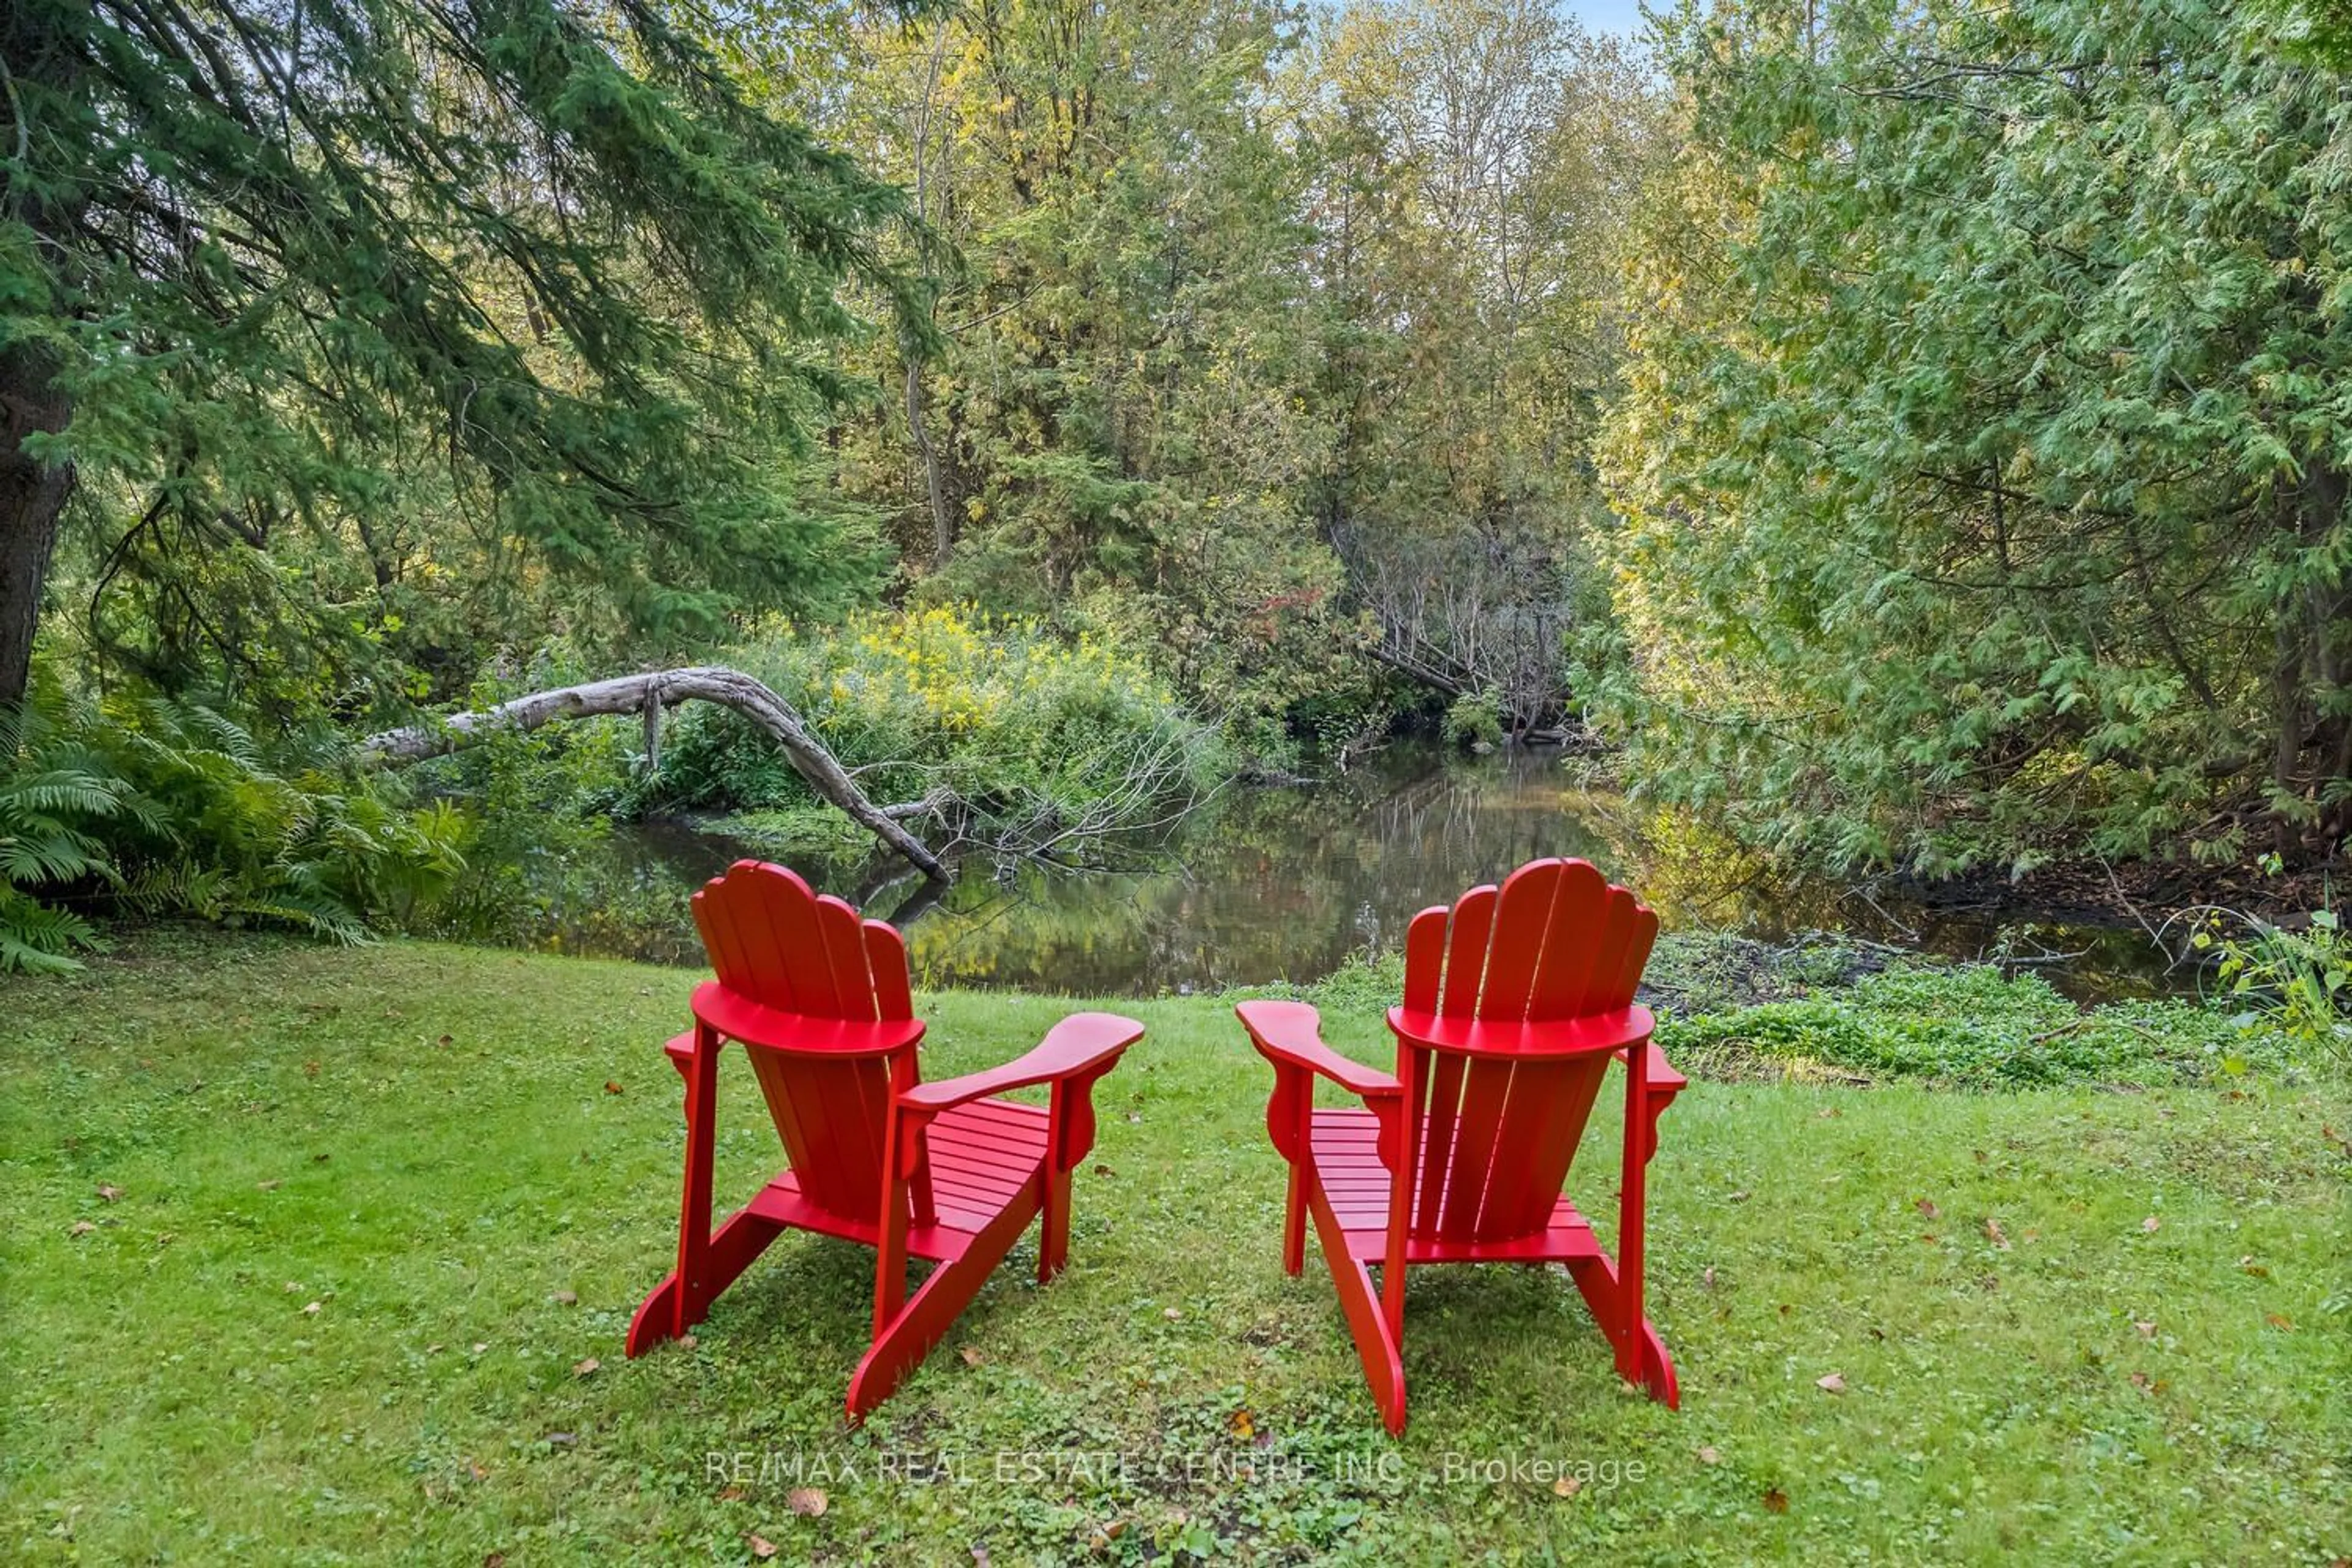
1657,1369
1053,1226
1632,1209
1639,1354
1294,1223
656,1320
707,1264
668,1312
694,1292
900,1347
1378,1345
681,1299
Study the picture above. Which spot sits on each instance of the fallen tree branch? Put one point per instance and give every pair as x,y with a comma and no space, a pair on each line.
648,694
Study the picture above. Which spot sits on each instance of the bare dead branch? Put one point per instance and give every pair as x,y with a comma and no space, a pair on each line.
629,694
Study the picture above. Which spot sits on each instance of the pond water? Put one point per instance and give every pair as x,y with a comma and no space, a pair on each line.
1263,884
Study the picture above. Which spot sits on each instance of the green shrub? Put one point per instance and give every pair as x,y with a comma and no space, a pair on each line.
533,810
1472,722
1019,730
1972,1024
2294,980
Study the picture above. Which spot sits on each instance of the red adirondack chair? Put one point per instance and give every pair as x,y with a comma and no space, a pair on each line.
1513,1009
819,1000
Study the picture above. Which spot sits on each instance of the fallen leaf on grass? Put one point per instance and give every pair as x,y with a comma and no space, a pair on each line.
1710,1455
272,1184
2146,1328
566,1299
2150,1224
762,1547
311,1309
1707,1279
1567,1486
733,1494
2139,1380
971,1356
109,1192
1994,1234
1739,1197
494,1560
612,1085
1928,1206
481,1345
584,1368
809,1502
1241,1426
2279,1322
1173,1314
686,1341
1776,1501
561,1439
1834,1384
81,1227
432,1350
446,1041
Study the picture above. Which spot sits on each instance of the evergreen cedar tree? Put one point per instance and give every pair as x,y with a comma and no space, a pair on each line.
266,266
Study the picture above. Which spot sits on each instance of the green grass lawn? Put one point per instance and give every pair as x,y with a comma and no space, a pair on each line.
376,1209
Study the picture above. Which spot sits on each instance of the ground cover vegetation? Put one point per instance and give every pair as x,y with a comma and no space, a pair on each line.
323,1254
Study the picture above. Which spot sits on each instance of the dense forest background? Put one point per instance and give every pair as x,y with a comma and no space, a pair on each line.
1893,434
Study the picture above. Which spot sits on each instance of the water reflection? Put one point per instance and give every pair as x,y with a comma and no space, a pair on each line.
1262,885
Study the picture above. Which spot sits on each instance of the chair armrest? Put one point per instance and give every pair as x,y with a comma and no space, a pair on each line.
1083,1044
1660,1084
1291,1033
1662,1079
1073,1053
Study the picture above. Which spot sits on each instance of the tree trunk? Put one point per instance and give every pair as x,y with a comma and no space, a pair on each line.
666,688
943,529
31,495
37,47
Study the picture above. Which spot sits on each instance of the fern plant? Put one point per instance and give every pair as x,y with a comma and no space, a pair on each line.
45,810
158,806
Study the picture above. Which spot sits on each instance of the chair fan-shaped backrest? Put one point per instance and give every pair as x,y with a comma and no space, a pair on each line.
1556,940
773,941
